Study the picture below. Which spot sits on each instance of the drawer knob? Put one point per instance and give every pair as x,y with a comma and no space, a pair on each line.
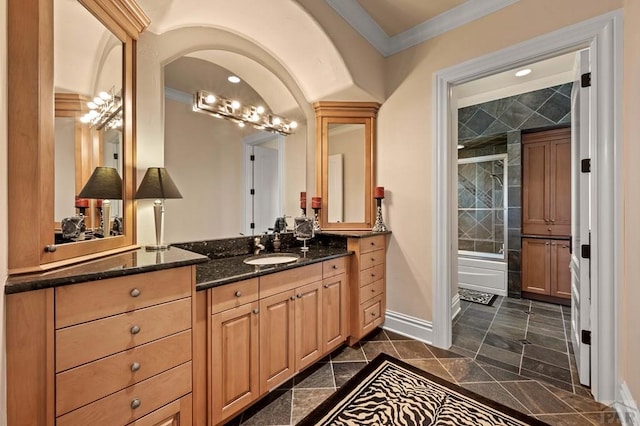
373,275
135,403
135,292
135,329
238,293
256,311
51,248
372,243
326,286
373,259
373,314
373,290
135,366
292,298
299,296
335,266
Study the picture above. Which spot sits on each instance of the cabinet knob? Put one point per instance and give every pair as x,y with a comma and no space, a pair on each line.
50,248
135,403
373,259
134,292
565,246
373,290
256,311
335,266
135,366
546,244
299,296
326,286
373,314
549,229
292,298
135,329
238,293
372,243
373,275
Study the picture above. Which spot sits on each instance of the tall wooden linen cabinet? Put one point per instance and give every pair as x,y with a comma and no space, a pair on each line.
546,215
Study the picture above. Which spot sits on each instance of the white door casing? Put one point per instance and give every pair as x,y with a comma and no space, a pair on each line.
580,218
604,35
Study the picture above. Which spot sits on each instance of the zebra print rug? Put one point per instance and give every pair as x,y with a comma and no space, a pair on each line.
391,392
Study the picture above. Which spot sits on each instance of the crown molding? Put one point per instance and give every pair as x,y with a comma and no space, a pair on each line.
362,22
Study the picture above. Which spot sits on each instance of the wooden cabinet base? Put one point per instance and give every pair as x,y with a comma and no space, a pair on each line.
545,298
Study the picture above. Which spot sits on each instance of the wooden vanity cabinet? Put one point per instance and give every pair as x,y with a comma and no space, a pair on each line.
110,352
368,285
335,300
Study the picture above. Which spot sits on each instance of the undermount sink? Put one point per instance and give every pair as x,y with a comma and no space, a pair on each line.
271,259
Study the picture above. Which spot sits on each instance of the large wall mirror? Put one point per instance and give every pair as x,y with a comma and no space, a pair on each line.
234,180
80,57
346,164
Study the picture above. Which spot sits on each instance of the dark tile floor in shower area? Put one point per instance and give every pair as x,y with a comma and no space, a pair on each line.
291,402
526,337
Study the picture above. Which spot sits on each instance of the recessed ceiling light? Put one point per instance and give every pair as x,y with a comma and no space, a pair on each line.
523,72
233,79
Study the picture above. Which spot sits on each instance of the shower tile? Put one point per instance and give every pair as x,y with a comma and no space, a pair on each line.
514,153
464,114
480,121
514,239
465,245
514,259
516,115
556,107
514,284
514,217
514,196
497,128
537,121
515,176
498,107
536,98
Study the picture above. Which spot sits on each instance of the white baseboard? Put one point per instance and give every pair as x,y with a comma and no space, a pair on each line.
627,408
455,305
409,326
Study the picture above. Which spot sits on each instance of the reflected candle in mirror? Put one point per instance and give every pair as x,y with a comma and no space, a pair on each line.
316,202
303,200
378,192
82,203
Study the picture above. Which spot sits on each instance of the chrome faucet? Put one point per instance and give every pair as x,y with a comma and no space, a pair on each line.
257,246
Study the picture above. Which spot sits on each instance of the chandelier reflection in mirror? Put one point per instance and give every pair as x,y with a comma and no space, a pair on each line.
105,111
254,116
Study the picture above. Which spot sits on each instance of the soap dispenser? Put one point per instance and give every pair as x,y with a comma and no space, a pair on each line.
276,242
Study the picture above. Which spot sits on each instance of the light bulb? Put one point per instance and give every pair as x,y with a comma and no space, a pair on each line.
104,96
92,105
260,110
276,120
210,99
98,101
293,124
85,118
254,117
235,104
241,124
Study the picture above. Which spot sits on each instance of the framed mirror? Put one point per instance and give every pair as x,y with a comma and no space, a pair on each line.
346,164
63,53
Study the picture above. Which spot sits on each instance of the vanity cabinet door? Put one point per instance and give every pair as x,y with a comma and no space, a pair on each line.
177,413
308,327
277,339
234,360
334,312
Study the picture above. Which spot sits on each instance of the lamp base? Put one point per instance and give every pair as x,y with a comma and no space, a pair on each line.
157,247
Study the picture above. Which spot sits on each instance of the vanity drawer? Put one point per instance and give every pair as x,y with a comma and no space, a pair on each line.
129,404
233,295
370,291
372,243
89,341
90,382
88,301
372,259
288,280
371,314
370,275
333,267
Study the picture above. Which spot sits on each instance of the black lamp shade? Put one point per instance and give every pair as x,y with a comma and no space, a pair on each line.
104,183
157,184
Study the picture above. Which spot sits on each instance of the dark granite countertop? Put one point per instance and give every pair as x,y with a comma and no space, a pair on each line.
118,265
221,271
353,234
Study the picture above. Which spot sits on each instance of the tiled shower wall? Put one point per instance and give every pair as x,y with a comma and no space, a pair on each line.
540,109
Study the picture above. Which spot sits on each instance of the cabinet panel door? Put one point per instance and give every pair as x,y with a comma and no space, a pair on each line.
277,351
234,360
560,272
178,413
535,265
308,313
334,312
560,195
535,188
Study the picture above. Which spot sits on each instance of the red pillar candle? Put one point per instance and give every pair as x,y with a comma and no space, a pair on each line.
82,203
303,200
316,202
378,192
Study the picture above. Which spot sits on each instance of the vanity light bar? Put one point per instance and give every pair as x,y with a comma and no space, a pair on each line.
255,116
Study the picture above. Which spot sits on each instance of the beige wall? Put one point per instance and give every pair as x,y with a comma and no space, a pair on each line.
204,157
630,294
405,129
3,200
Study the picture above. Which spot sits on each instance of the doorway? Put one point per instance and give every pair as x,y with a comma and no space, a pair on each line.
602,35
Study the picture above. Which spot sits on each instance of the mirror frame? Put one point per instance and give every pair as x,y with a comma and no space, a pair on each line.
31,133
329,112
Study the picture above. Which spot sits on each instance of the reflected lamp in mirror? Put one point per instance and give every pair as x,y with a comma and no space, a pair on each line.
157,185
104,184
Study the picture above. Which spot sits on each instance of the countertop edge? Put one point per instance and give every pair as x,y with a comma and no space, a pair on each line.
236,278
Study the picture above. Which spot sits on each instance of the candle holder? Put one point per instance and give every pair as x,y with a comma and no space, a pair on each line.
316,222
304,211
379,226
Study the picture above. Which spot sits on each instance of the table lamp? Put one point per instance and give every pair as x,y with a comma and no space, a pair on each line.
157,185
104,184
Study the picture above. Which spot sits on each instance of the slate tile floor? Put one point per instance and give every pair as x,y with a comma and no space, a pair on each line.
292,401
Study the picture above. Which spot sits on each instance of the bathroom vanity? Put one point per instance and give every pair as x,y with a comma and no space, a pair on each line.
177,337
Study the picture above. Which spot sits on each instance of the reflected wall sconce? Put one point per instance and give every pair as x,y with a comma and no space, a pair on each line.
104,184
242,115
105,111
157,184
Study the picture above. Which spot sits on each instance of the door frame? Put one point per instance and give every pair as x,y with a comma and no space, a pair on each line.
603,35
